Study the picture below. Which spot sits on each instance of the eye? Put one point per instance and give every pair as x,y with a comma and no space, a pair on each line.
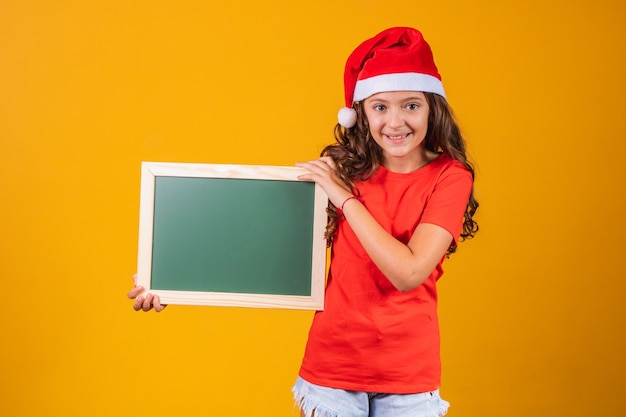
379,107
412,106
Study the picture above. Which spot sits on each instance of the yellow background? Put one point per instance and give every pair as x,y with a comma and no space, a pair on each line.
532,310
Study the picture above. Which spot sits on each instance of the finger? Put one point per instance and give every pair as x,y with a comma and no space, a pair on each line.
316,166
147,303
135,292
135,279
329,161
306,165
158,307
138,304
311,170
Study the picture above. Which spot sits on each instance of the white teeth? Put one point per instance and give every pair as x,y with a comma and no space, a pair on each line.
397,137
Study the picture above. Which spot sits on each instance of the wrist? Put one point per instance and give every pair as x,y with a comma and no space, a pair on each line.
345,201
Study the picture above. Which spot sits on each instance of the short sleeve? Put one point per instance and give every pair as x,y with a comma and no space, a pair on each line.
448,202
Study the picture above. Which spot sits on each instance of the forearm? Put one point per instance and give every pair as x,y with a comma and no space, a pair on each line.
406,266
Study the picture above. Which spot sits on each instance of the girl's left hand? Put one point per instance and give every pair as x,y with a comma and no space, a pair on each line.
323,172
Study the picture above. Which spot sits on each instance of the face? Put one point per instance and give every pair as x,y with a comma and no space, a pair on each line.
398,123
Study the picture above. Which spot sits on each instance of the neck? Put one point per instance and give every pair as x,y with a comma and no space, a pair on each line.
406,165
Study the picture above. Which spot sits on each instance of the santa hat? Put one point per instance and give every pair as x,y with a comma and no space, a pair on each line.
397,59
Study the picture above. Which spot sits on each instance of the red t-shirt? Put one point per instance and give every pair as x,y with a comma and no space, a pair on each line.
370,336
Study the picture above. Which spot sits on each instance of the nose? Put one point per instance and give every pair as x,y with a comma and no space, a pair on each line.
396,118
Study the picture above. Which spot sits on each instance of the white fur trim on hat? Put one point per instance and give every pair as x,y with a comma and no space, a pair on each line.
408,81
346,117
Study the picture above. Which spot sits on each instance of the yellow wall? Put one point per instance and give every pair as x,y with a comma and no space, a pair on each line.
532,310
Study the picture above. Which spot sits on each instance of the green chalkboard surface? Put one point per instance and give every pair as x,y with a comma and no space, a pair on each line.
232,235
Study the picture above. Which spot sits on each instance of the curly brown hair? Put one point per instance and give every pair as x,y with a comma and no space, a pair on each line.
357,156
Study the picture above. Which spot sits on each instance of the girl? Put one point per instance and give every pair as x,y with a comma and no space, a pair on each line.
401,196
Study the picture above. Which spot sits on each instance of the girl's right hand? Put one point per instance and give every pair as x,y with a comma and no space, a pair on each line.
144,302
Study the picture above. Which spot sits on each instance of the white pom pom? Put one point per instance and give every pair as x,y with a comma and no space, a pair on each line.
346,117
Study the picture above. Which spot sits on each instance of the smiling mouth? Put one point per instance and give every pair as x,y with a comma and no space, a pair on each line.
396,138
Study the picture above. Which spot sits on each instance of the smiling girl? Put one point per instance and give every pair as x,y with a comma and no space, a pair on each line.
401,197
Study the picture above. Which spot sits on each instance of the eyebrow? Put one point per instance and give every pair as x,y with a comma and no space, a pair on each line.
410,98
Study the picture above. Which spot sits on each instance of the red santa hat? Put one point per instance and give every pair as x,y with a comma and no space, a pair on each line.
397,59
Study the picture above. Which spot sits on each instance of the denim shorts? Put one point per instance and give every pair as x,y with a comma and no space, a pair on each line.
331,402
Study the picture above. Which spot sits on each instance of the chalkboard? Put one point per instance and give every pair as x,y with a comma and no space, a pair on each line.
231,235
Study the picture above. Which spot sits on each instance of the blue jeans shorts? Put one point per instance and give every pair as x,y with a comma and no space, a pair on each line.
331,402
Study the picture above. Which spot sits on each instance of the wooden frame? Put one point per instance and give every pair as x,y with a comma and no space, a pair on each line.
151,174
